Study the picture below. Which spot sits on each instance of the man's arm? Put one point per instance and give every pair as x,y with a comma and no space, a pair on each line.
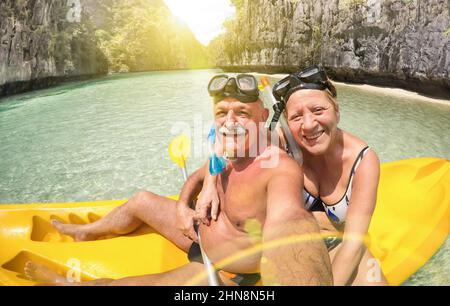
294,252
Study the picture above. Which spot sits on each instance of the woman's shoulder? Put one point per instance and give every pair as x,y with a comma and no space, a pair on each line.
353,145
360,151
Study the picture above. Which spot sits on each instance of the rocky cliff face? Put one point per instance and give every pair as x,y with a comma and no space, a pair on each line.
401,43
43,42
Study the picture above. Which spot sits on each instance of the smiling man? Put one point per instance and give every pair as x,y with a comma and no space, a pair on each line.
262,229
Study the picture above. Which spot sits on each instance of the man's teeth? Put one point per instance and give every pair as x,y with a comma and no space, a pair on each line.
237,132
315,136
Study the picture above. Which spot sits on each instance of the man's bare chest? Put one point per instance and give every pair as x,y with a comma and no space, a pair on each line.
243,201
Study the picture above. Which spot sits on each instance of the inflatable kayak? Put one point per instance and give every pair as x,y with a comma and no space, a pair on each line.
411,222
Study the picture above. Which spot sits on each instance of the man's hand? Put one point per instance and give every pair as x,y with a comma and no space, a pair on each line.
208,203
185,221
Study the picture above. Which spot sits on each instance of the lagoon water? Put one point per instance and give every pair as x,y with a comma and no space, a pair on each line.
107,138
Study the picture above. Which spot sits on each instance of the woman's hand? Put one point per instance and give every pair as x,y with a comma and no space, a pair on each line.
185,221
208,203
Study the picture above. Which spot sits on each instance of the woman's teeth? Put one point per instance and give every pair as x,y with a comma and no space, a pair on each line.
315,136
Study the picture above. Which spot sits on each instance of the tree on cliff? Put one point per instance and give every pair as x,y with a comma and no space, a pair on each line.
143,35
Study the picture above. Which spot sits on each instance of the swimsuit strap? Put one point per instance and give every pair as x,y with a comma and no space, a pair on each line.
352,174
355,168
338,212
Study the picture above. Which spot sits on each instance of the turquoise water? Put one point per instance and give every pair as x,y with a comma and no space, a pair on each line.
107,139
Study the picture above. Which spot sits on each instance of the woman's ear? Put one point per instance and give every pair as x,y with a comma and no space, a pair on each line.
265,114
338,114
336,108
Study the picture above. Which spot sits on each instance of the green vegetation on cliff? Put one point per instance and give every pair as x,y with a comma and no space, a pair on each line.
228,43
142,35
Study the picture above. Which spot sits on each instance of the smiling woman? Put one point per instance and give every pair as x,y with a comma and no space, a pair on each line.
204,17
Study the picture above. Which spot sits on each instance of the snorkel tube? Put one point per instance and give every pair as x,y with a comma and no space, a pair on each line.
217,165
279,117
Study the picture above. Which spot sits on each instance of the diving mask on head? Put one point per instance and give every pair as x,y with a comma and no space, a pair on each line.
314,77
243,87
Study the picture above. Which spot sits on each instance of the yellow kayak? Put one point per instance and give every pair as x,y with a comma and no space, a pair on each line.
411,222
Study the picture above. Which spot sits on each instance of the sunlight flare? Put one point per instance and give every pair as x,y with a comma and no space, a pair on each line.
204,17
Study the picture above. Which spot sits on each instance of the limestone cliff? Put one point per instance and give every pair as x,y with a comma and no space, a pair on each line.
401,43
43,42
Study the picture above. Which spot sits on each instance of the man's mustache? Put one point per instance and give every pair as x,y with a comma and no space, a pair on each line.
235,130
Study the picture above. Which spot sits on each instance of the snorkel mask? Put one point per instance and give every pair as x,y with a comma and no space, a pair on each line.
243,87
313,77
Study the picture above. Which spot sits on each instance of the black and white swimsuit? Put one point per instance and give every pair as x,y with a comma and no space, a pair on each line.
337,213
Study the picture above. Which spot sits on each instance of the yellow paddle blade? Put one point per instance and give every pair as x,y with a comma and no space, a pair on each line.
264,83
179,150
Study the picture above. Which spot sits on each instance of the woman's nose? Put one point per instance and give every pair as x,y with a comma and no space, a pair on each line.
309,123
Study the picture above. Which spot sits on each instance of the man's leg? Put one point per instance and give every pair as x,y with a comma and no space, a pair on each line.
178,277
119,221
47,277
144,208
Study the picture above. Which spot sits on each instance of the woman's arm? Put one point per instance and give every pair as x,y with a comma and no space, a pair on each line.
208,202
192,187
185,214
361,208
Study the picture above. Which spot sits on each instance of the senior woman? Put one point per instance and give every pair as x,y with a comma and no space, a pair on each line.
341,174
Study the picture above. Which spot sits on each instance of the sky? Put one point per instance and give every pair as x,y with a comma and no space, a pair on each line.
204,17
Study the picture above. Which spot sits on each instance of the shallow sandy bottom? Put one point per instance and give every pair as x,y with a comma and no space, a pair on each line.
377,89
397,92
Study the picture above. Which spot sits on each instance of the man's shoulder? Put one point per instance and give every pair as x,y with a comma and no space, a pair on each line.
272,150
289,165
277,161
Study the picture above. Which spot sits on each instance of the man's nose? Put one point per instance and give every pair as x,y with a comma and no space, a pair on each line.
231,117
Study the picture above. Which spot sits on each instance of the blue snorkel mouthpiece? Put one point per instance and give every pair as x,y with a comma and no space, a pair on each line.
217,165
